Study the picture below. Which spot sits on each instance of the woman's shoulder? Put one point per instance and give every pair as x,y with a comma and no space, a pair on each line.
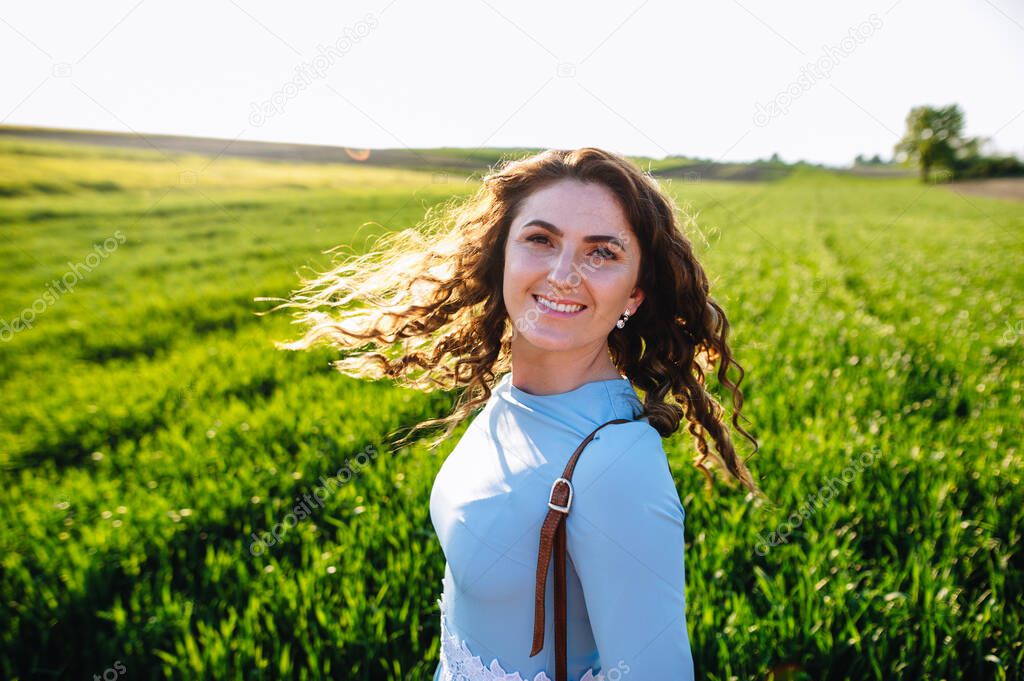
625,458
638,437
623,484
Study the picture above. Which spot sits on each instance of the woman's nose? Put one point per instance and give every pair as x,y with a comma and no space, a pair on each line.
564,275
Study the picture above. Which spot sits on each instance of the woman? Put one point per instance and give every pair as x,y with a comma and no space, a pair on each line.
566,273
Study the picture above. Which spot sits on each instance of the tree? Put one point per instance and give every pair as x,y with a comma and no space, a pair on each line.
934,137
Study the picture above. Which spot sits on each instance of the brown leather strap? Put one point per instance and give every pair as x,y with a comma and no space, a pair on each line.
552,536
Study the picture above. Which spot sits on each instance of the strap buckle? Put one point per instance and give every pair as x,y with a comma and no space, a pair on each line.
568,503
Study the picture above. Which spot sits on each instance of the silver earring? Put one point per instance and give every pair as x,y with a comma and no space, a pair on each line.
623,319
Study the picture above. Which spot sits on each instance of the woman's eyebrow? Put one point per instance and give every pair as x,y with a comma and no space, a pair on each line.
593,238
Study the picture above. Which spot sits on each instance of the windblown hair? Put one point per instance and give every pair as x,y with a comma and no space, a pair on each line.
425,306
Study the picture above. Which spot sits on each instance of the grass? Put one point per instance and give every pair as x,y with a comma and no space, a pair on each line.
149,429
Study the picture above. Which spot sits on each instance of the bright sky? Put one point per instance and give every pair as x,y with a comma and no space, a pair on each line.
821,81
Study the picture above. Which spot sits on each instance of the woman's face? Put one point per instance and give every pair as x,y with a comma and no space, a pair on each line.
570,244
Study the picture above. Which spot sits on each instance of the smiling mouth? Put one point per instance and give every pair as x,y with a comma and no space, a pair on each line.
557,307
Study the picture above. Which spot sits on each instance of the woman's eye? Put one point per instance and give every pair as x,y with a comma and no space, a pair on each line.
605,253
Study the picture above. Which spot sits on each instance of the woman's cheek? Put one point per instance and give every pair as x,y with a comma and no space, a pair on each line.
524,267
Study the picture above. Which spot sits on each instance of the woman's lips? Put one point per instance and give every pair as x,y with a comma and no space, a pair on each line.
556,313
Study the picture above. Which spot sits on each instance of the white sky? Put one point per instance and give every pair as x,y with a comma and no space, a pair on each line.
648,78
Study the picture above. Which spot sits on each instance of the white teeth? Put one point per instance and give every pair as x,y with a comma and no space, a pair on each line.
558,306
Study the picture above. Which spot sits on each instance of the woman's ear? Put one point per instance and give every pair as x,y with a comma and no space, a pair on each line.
636,298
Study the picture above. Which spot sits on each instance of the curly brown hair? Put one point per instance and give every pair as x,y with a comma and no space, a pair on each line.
425,308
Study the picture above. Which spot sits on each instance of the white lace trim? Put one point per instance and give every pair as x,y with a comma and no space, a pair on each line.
458,663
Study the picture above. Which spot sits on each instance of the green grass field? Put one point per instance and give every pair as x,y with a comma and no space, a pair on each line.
149,428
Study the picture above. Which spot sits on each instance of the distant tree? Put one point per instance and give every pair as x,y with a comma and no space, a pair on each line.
775,158
979,167
934,137
862,160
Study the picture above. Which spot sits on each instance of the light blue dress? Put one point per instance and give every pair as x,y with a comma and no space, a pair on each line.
625,578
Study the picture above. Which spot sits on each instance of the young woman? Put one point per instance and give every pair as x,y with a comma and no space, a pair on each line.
568,275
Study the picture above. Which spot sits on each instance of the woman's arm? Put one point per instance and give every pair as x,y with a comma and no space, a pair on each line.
625,541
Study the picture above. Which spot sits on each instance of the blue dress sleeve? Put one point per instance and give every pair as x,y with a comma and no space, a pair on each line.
625,541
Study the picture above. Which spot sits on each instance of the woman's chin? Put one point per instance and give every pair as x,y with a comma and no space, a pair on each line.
550,341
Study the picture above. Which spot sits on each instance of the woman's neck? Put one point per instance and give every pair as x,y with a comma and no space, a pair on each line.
541,372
